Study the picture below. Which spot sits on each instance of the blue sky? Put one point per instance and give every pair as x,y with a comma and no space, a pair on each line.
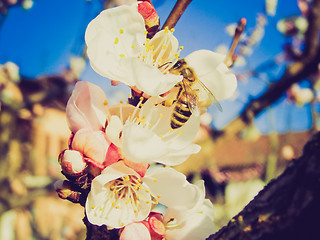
42,39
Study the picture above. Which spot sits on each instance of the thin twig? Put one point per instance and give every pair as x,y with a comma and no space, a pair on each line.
176,13
230,59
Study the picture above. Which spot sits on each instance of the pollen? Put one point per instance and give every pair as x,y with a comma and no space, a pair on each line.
181,47
105,102
113,204
117,207
121,31
172,29
116,40
158,196
166,29
132,46
155,180
147,191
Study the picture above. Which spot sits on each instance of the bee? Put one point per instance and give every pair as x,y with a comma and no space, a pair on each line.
187,99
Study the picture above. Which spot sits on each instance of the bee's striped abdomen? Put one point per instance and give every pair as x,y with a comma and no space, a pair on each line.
181,113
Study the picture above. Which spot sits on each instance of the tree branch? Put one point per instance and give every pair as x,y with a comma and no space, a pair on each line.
287,208
176,13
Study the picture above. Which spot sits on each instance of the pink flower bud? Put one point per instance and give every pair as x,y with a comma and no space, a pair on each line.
72,162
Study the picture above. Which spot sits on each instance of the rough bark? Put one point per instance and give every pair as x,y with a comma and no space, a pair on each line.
287,208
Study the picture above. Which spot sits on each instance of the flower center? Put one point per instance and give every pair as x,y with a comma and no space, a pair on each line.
158,52
125,189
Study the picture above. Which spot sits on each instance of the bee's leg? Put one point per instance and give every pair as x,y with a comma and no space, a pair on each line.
167,103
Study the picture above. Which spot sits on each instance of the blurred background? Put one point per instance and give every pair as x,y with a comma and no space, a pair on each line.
42,55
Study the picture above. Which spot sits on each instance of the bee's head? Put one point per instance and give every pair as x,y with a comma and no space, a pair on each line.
178,66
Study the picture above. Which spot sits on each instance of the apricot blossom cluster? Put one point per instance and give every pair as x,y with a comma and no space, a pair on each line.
119,159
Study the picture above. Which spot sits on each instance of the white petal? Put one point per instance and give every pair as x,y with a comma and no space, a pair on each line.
172,189
197,226
184,135
111,34
179,156
150,79
114,129
164,38
211,70
140,144
85,108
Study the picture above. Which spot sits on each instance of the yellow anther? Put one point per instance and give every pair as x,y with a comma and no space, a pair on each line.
172,29
179,132
155,180
135,211
171,130
105,102
112,187
121,31
150,125
147,191
166,29
116,40
117,207
156,202
132,46
122,55
113,204
145,32
158,196
164,47
121,102
147,40
161,136
122,224
147,202
181,47
141,98
176,55
100,209
93,206
126,178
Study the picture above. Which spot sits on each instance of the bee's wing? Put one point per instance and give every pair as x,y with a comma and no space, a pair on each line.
213,100
192,98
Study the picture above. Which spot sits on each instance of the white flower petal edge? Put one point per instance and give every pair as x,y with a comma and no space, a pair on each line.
117,197
194,223
85,107
197,226
211,70
172,189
